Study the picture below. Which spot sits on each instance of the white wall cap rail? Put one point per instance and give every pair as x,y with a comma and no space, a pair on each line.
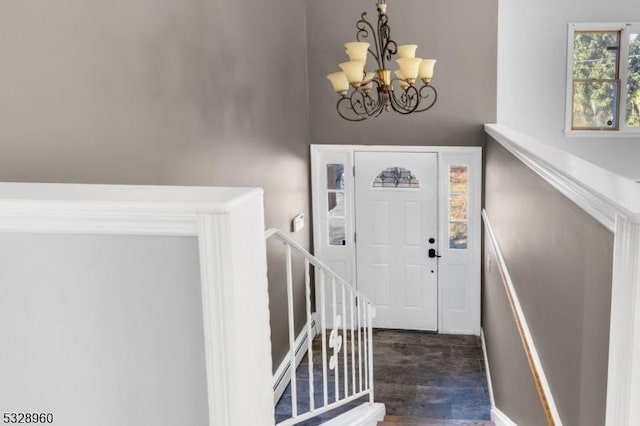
112,209
600,192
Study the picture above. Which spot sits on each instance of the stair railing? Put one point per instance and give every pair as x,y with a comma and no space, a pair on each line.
343,321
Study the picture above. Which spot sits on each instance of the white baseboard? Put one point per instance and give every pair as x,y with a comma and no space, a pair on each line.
500,418
282,376
486,368
366,414
497,416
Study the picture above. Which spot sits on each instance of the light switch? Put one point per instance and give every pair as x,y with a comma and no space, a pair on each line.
297,223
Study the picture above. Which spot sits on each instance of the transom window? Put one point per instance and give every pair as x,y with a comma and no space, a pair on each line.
396,177
603,82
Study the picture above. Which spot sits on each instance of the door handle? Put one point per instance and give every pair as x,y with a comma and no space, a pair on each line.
432,253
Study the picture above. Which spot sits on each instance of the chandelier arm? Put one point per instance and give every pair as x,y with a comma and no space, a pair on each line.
425,96
374,106
366,30
408,101
387,47
342,99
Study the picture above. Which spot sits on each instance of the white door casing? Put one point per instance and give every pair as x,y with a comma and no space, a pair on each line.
393,228
458,269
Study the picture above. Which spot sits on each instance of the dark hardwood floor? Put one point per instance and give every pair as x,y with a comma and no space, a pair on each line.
416,374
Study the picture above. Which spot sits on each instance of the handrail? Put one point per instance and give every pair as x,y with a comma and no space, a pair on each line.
535,365
312,259
346,316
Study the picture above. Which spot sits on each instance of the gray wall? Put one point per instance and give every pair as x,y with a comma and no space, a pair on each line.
102,330
560,260
460,34
514,389
193,92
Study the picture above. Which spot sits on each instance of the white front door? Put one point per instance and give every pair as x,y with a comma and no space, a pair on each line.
396,196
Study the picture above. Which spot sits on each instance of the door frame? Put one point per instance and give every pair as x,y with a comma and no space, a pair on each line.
342,258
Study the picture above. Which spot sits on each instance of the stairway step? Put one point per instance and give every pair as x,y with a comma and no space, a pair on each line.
413,421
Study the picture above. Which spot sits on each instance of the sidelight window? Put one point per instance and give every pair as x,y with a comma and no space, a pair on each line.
458,206
336,219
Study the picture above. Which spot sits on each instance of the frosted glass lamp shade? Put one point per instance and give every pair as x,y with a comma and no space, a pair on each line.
426,69
407,51
357,51
409,68
368,77
339,81
400,77
354,70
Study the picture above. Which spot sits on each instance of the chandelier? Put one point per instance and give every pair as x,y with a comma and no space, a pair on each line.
367,94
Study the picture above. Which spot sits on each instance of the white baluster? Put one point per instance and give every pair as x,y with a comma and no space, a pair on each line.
370,327
336,328
358,303
352,303
324,338
345,337
292,339
307,286
365,338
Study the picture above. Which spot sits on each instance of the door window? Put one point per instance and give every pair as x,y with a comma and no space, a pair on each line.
396,177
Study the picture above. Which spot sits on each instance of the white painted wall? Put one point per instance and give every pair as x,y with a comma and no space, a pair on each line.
102,330
532,40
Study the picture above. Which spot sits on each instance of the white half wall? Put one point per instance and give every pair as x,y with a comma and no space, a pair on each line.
102,327
532,62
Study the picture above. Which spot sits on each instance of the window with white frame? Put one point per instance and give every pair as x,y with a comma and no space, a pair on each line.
603,81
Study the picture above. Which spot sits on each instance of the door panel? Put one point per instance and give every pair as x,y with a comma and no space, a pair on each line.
396,214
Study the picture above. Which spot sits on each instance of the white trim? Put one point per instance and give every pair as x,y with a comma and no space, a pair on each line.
497,416
229,225
112,209
623,381
367,414
500,418
520,314
486,367
601,193
282,377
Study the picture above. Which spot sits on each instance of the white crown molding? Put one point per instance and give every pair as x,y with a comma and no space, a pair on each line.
602,194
